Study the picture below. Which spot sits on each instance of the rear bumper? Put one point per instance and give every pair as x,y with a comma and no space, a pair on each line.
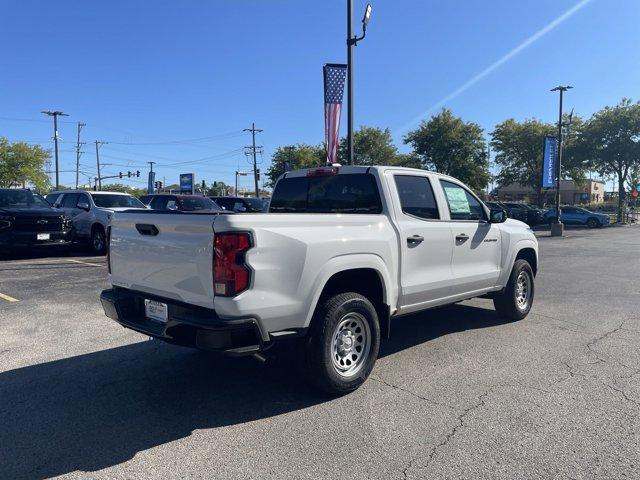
187,325
30,239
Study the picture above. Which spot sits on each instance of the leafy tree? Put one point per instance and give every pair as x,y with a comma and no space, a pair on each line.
299,156
217,189
611,141
22,164
371,146
449,145
519,148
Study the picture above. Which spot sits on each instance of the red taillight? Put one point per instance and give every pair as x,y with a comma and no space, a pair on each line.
108,248
230,274
321,172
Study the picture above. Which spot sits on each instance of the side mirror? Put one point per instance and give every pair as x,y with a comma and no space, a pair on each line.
83,206
497,216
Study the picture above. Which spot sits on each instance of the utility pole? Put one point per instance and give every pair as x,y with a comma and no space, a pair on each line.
78,153
489,168
55,114
557,228
352,41
99,179
253,149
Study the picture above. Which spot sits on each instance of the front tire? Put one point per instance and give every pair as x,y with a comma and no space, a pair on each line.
343,345
593,223
515,301
98,241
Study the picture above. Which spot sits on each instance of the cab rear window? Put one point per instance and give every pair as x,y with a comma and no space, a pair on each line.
350,193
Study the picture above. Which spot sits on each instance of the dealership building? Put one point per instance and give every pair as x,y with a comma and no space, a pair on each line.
591,191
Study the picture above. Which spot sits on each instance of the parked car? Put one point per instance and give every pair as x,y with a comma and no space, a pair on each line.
182,203
91,211
240,204
26,220
578,216
342,253
516,210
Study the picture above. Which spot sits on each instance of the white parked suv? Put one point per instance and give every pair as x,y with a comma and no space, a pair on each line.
91,212
342,253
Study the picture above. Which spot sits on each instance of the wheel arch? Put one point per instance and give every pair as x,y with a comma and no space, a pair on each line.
366,275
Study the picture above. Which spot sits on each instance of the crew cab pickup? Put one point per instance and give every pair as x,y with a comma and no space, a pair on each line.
342,252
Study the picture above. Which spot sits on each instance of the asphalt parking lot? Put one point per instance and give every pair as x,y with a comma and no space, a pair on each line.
456,393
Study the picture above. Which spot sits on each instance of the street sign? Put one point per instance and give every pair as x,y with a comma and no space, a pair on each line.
549,162
186,183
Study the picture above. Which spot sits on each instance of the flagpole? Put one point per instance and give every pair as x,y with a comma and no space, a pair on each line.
350,44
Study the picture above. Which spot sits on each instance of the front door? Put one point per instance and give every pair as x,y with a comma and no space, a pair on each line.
477,243
426,243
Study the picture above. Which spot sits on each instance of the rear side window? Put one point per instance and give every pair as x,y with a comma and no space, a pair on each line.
351,193
416,196
462,205
52,197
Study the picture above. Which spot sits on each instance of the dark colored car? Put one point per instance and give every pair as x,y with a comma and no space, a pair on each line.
27,220
241,204
182,203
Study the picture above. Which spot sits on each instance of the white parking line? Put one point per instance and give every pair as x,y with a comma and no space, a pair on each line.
85,263
8,298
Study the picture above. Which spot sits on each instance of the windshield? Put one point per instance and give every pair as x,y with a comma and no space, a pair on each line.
21,199
116,201
198,203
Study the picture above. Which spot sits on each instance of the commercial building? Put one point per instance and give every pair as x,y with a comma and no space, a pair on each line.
591,191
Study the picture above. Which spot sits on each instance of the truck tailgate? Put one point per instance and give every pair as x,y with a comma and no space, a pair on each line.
175,262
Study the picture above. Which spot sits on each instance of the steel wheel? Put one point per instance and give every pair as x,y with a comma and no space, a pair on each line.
350,344
523,290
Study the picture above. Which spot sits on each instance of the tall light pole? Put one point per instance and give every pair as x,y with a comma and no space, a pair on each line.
557,228
352,41
55,114
99,178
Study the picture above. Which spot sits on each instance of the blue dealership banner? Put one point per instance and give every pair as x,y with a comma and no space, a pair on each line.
549,163
186,183
151,183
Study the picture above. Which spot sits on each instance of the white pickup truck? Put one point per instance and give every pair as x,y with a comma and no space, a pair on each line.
342,252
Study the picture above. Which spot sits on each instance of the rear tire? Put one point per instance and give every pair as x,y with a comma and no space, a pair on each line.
343,343
515,301
98,241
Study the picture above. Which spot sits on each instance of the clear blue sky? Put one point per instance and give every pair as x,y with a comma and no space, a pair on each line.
141,72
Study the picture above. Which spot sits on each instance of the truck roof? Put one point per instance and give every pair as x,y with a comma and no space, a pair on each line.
354,169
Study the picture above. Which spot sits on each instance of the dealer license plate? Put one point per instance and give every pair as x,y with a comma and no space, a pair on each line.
43,236
155,310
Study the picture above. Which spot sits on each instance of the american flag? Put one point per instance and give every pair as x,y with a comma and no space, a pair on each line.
334,76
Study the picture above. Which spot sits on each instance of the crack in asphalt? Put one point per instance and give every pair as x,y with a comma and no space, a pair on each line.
449,436
414,394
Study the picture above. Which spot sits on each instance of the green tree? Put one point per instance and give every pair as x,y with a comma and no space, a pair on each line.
371,146
22,164
611,142
299,156
519,148
449,145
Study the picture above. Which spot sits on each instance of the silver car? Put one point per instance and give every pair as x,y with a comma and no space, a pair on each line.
91,212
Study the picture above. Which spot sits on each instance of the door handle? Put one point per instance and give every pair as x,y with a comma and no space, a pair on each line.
415,240
462,237
146,229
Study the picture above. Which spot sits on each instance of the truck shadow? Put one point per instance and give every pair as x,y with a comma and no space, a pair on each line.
97,410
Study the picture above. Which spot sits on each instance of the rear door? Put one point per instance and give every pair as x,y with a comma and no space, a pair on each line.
426,242
476,242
